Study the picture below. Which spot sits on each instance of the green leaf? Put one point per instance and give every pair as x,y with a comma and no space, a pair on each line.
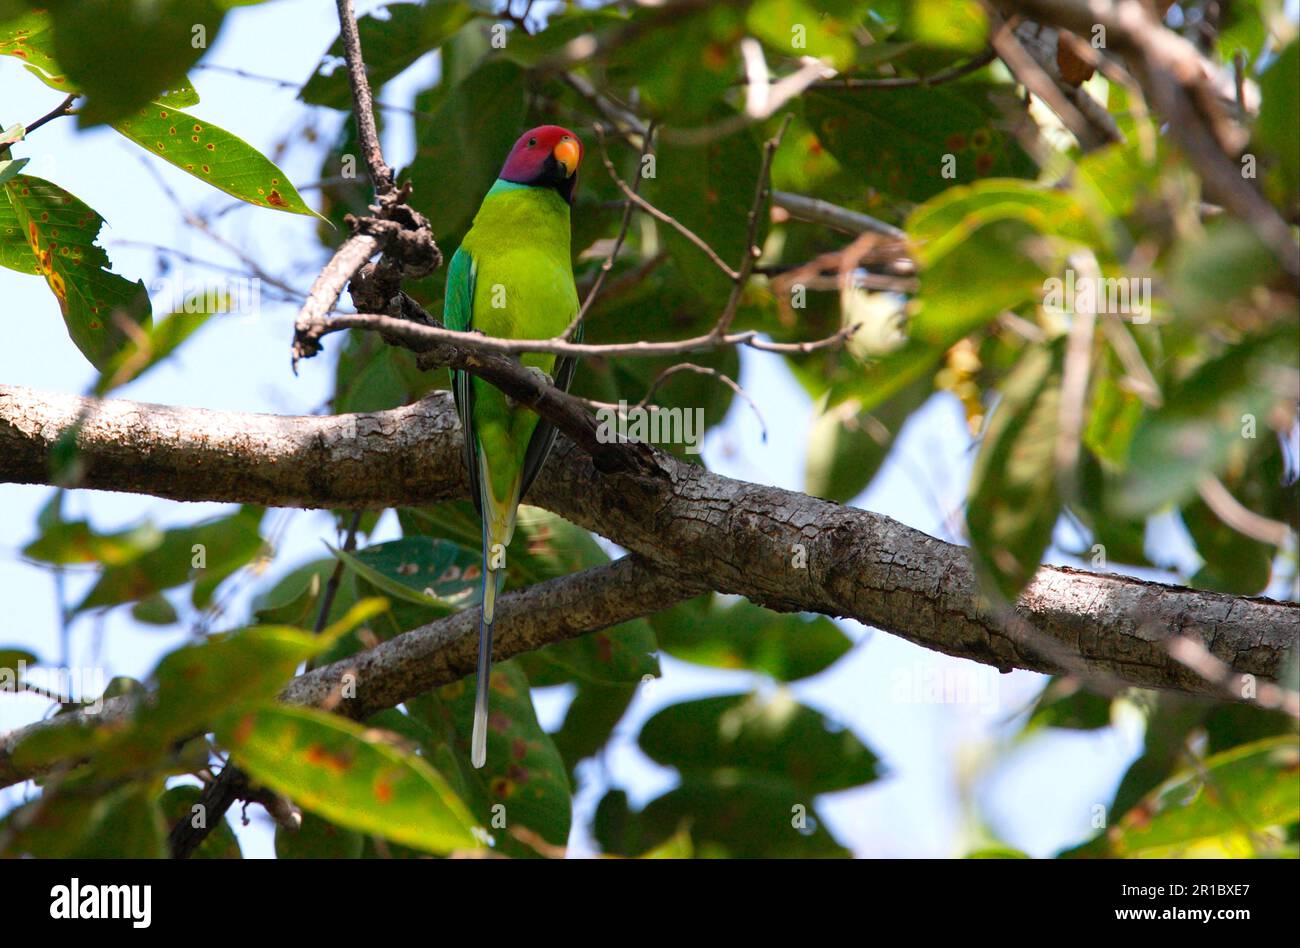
29,39
1013,502
213,155
437,575
562,27
799,28
349,776
15,251
590,719
742,635
1279,116
1207,419
206,553
10,657
317,838
897,139
759,741
467,142
60,232
1218,808
972,245
1242,27
749,773
197,684
751,820
1113,414
67,542
1065,704
1122,539
948,24
1234,563
88,823
391,44
142,353
681,73
710,190
524,770
155,610
846,446
125,53
547,546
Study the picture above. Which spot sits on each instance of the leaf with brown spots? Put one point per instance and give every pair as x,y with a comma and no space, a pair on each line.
1222,806
709,189
350,775
29,39
524,770
749,766
897,140
212,154
15,252
60,232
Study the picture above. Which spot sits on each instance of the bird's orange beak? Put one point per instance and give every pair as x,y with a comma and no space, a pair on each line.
568,153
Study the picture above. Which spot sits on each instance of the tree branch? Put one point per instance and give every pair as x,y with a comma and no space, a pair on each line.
435,654
1178,83
781,549
363,106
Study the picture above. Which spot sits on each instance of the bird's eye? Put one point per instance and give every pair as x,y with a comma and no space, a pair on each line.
532,142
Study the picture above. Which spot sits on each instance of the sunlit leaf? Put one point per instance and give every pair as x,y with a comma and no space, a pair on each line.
98,305
213,155
351,777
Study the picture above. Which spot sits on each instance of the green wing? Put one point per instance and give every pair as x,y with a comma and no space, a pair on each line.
458,314
543,439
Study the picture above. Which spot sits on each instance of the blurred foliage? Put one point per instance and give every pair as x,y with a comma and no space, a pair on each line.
1189,376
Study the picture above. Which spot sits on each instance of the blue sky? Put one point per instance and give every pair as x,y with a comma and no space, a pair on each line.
950,767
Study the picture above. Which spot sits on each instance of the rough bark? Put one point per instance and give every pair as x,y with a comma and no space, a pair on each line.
781,549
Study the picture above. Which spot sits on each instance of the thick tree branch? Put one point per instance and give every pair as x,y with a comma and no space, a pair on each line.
781,549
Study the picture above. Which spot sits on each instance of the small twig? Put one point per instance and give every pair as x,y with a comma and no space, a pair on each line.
703,370
657,214
284,291
903,82
1075,377
618,243
62,109
332,586
752,253
467,345
817,211
1033,77
1199,659
363,108
766,102
1241,518
203,227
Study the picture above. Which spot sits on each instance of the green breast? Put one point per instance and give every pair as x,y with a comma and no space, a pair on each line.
524,284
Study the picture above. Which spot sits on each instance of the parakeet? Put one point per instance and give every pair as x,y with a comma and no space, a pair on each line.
512,278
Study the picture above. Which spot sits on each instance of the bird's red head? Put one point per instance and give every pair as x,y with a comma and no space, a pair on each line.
547,156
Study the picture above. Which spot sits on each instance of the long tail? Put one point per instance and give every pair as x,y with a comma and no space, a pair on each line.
498,528
478,743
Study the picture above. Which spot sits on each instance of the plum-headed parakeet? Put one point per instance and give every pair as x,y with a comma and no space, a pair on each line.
512,278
